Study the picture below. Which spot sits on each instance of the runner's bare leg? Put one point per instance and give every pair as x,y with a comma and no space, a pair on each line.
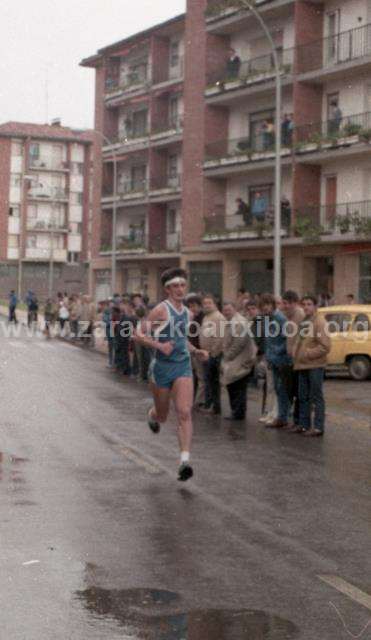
161,399
183,400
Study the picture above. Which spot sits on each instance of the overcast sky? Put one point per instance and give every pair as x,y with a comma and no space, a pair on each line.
48,38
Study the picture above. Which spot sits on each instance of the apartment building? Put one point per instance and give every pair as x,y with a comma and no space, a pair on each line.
189,148
139,113
325,56
45,207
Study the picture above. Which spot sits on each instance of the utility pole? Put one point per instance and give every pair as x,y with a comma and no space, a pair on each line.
278,168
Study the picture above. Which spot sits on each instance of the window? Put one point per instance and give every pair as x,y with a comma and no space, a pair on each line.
75,227
14,210
73,257
138,177
174,53
365,278
34,150
339,322
15,180
78,168
257,276
31,241
13,242
173,166
362,322
333,27
32,211
171,221
17,149
206,277
139,123
173,111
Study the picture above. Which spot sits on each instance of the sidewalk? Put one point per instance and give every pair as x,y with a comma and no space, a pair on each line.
348,402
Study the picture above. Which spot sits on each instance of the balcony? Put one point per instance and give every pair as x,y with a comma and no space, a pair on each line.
333,56
255,72
44,254
138,242
169,128
346,135
224,156
34,224
167,74
127,191
48,164
166,186
47,193
222,9
308,225
136,139
135,81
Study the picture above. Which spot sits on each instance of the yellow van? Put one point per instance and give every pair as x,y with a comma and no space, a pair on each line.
350,330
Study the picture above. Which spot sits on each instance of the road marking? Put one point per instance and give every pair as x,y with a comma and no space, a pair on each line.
138,459
17,345
348,590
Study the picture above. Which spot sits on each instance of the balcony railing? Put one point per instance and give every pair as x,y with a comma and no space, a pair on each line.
45,225
127,188
246,146
126,137
340,48
173,182
138,240
131,80
337,127
251,71
342,218
48,163
174,123
307,222
338,130
44,193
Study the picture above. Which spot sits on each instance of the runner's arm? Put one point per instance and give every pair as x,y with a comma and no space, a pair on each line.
143,331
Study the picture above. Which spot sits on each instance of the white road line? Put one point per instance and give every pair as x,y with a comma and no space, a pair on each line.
139,460
17,345
348,589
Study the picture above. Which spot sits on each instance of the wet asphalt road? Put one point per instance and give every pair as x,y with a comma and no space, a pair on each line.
99,541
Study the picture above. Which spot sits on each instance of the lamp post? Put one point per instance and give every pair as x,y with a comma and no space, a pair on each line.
278,171
114,212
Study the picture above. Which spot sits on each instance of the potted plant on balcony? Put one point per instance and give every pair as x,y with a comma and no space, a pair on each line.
344,222
307,229
365,135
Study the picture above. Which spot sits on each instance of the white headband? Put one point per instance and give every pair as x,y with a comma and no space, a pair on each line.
177,280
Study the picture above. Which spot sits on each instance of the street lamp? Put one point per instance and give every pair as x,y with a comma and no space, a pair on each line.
114,212
278,172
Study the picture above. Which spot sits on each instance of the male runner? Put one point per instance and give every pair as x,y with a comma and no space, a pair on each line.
165,331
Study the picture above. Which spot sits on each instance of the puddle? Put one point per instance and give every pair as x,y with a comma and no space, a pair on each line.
149,614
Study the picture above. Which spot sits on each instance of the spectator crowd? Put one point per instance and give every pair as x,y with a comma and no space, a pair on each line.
277,346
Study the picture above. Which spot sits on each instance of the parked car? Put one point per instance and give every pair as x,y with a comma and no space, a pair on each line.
350,330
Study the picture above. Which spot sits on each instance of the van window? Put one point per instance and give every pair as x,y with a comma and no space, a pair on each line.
361,322
339,322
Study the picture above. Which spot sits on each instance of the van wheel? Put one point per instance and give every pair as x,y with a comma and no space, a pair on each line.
360,368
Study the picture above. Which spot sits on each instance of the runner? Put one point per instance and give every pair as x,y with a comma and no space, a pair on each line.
165,331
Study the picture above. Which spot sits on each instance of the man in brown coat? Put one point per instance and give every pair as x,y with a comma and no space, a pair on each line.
310,350
239,355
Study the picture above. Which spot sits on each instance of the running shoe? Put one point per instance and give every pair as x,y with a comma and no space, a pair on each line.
185,472
153,424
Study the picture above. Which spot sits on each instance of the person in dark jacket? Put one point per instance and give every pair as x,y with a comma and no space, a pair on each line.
233,65
13,301
123,332
109,330
276,355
